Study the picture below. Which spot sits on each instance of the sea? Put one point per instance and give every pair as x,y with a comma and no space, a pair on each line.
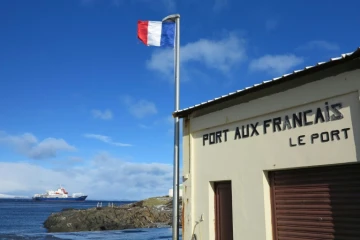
22,219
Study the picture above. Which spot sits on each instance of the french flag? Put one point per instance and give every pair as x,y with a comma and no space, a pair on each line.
156,33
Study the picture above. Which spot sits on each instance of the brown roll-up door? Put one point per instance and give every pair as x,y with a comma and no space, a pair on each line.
321,203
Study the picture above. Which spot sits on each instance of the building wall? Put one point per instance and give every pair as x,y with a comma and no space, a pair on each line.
171,191
246,161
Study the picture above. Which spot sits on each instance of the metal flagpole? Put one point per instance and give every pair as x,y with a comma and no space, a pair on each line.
175,224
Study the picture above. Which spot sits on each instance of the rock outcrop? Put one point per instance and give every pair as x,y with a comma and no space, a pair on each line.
149,213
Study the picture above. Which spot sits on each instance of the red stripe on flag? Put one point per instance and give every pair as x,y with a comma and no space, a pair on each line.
142,31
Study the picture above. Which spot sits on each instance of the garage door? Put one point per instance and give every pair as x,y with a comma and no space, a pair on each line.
316,203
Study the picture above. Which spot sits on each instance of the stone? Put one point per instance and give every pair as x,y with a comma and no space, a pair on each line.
149,213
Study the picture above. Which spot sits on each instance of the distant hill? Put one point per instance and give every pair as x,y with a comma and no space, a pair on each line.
11,196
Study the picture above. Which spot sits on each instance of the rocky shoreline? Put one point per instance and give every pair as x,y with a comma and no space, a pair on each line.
149,213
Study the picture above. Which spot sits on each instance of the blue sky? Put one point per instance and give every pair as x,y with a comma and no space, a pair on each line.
86,105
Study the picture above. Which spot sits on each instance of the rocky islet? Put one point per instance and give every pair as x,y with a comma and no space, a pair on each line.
149,213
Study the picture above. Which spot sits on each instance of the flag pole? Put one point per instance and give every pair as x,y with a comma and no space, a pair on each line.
175,223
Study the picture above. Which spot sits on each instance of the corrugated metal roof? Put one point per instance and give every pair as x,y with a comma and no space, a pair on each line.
318,66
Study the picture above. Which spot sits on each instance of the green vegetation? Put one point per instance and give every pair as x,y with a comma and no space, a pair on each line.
155,201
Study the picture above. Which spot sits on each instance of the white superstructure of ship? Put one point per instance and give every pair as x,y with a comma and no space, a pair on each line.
59,195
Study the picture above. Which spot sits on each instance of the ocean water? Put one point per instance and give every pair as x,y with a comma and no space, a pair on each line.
22,219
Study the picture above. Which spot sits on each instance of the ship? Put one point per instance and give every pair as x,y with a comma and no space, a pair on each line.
60,195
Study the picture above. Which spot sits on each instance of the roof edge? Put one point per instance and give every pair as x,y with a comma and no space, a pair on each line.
346,57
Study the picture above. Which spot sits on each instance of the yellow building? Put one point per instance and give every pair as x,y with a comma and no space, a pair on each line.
278,160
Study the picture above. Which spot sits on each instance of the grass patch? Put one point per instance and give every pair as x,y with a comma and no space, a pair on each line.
151,202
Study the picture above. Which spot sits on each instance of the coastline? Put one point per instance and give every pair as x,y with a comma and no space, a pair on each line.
155,212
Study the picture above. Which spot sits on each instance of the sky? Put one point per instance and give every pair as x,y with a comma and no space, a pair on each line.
86,105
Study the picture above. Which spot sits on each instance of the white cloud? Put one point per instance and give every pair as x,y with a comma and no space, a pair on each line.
105,115
140,108
320,44
169,120
144,126
12,196
66,161
271,24
106,139
76,159
165,120
275,64
28,145
220,5
221,55
104,178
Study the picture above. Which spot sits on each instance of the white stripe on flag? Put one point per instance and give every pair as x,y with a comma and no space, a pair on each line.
154,33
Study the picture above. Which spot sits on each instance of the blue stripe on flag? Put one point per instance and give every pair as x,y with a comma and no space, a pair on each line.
167,34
